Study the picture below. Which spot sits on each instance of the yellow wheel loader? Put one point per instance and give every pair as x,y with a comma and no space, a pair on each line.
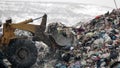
22,52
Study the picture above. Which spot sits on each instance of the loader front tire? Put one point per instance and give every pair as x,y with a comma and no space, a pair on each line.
21,53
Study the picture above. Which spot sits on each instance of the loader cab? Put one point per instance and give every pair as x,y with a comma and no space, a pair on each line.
9,20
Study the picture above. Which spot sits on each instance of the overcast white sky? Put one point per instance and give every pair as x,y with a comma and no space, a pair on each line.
108,3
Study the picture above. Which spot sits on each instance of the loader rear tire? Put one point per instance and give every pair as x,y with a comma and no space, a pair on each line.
21,53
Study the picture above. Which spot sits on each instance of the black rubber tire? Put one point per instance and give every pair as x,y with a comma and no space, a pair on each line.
21,53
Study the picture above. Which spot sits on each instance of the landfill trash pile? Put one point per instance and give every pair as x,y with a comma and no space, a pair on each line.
97,44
